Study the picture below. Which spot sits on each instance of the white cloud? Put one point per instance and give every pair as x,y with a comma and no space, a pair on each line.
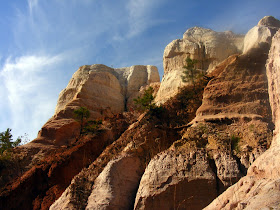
31,5
28,99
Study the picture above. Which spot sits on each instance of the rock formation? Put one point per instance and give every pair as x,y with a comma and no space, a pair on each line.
154,160
103,90
208,47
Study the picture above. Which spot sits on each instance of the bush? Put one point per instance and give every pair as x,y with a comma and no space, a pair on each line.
234,143
92,126
82,114
145,102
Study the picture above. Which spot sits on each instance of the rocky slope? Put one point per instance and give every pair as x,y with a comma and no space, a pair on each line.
161,159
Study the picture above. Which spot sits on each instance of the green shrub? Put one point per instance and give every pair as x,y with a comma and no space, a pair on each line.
145,102
92,126
82,114
234,143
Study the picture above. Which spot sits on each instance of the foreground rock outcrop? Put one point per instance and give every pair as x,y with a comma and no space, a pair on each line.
177,179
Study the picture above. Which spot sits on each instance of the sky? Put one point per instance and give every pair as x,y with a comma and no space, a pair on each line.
43,42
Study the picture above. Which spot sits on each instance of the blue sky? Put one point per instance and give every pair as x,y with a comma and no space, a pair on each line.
43,42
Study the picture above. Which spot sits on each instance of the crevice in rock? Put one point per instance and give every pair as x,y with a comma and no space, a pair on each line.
219,184
241,167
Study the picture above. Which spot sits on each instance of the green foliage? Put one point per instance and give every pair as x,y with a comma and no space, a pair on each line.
234,140
91,126
6,141
145,102
190,73
82,114
196,78
156,111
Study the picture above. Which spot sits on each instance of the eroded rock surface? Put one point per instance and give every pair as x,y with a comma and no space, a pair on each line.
116,186
239,91
176,180
102,183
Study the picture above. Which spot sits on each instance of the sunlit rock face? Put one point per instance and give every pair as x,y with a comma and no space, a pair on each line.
208,47
103,90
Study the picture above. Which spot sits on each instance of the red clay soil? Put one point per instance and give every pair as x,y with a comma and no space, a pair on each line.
39,187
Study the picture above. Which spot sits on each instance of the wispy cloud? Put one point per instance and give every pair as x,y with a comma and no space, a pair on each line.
53,38
32,4
25,81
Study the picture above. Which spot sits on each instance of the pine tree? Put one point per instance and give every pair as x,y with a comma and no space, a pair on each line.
81,115
6,141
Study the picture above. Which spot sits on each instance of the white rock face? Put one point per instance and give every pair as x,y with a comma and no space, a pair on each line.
261,34
116,186
103,90
205,45
169,86
273,76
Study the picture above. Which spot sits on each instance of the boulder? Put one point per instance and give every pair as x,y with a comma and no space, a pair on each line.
261,34
116,186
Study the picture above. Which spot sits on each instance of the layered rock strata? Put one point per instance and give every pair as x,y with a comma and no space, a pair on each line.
239,91
260,188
